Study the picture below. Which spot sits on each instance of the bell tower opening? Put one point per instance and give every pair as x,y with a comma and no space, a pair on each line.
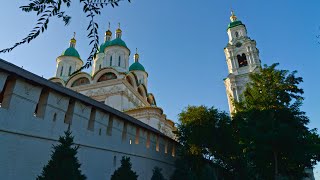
242,60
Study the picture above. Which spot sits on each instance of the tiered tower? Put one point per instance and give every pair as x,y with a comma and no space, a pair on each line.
242,58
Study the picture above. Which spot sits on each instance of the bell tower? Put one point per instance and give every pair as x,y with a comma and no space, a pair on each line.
242,58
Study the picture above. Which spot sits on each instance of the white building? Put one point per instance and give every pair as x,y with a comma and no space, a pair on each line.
113,82
242,58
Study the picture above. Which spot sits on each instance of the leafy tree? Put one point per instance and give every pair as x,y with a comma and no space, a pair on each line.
157,175
48,9
271,127
124,172
206,136
63,164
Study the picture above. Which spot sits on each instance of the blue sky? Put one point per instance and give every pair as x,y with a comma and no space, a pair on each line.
181,44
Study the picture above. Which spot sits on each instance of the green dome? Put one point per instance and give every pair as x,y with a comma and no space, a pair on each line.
115,42
71,51
234,24
136,66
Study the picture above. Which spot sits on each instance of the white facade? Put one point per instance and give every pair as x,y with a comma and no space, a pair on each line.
242,57
113,82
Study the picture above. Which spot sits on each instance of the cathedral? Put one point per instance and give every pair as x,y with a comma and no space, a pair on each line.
113,81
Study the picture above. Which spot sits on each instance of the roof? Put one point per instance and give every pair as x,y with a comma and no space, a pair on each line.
136,66
234,24
115,42
71,51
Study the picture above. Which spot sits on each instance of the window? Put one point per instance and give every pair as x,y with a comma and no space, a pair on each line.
107,76
110,60
61,71
242,60
129,80
140,92
119,62
99,66
69,70
237,34
80,81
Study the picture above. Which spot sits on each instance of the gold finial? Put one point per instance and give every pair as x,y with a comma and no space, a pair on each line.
73,40
108,32
118,31
136,56
233,17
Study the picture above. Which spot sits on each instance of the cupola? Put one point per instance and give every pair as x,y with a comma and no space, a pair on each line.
136,66
71,51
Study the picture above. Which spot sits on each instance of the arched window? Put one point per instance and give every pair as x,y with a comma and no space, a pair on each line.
237,34
129,80
69,70
110,60
107,76
119,62
242,60
80,81
61,71
140,92
99,66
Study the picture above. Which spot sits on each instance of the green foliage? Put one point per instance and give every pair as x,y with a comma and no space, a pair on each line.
183,170
46,9
63,164
157,175
271,127
124,172
206,136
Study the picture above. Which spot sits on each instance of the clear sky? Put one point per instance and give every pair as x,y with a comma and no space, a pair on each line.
181,44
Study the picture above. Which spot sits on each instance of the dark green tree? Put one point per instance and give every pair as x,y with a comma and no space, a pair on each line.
206,138
124,172
64,164
271,127
157,175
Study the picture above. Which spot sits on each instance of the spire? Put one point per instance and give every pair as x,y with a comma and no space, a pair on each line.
136,56
233,17
108,34
73,41
118,32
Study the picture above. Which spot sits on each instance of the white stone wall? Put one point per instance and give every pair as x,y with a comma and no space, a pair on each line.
27,135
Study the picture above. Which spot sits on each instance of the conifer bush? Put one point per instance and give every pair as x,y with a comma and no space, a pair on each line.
157,175
64,164
124,172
